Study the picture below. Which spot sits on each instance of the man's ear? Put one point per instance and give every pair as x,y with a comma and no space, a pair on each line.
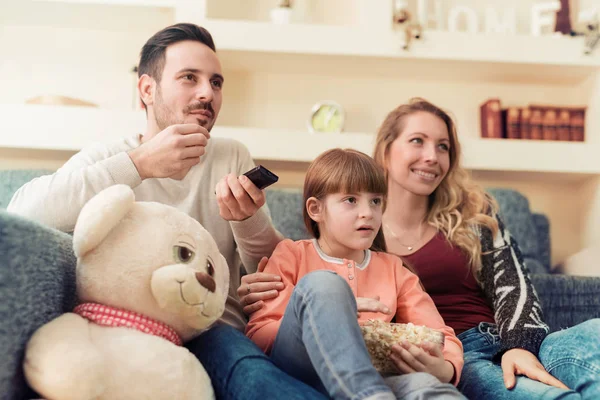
314,208
146,87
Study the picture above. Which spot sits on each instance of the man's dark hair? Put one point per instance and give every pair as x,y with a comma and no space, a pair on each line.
152,57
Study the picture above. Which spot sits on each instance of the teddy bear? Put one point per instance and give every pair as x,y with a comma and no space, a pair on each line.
149,278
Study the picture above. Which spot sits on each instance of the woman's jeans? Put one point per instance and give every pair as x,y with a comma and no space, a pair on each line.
320,342
571,355
239,370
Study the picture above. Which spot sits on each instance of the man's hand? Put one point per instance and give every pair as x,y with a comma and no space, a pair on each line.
523,362
171,152
257,287
238,198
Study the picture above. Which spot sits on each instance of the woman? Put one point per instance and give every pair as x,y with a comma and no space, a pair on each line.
448,230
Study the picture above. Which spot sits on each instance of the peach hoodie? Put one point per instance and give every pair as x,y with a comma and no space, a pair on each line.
373,277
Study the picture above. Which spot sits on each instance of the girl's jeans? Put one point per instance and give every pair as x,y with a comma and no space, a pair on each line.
320,342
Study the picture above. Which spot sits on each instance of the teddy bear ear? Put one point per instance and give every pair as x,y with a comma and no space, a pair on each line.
99,216
226,280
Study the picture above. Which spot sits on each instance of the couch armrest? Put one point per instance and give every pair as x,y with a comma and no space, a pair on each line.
37,284
286,211
567,300
542,227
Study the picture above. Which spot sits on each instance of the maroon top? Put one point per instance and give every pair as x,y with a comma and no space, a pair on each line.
445,274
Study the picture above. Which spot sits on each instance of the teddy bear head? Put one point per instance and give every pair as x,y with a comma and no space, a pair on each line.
151,259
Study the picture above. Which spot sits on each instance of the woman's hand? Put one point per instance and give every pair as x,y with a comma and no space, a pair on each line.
371,305
258,287
523,362
426,358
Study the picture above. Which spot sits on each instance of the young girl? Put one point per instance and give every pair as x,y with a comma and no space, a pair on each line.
311,329
448,230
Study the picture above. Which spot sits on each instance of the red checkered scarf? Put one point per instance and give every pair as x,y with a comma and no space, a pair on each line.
109,316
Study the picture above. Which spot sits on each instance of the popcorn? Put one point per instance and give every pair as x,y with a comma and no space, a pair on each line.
380,336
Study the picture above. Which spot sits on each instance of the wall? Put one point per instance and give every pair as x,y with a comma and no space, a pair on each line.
78,50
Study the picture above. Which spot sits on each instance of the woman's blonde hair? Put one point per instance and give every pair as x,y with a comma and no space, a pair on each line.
458,205
343,171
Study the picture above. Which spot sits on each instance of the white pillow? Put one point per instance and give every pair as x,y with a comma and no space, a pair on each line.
584,263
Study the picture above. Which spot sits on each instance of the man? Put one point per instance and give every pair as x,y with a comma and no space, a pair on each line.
176,162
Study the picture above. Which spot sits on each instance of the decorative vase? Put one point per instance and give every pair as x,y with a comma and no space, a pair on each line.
281,15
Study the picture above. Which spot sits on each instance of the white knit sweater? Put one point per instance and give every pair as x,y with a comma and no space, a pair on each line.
57,199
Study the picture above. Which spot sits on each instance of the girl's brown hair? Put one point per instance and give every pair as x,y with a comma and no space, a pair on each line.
343,171
457,207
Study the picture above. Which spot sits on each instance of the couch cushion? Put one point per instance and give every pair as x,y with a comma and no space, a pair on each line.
534,266
286,211
37,284
516,214
542,228
567,300
11,180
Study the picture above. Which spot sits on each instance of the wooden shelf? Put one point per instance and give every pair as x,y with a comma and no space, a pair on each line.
441,55
71,128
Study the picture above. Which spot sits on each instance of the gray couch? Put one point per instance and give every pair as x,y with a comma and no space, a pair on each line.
37,269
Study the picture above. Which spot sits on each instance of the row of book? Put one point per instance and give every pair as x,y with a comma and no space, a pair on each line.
536,122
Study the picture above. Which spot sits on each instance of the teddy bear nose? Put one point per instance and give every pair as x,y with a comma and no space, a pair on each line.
207,281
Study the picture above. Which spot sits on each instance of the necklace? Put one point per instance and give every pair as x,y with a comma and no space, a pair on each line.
409,247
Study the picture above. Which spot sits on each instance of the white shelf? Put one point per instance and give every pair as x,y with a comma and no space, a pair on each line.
71,128
443,55
478,154
64,127
141,3
530,156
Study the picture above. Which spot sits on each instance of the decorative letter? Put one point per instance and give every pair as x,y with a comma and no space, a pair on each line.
493,24
539,19
588,16
472,21
423,14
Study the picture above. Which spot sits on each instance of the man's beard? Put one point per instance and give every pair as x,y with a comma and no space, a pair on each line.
166,117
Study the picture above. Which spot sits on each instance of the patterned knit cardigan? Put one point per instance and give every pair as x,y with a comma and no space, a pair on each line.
506,284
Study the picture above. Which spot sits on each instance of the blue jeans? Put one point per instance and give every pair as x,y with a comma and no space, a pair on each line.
239,370
571,355
320,342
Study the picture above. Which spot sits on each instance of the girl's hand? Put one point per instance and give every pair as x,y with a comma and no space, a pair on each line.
258,287
426,358
523,362
372,305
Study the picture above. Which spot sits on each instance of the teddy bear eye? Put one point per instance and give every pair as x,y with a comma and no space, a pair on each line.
210,269
183,254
